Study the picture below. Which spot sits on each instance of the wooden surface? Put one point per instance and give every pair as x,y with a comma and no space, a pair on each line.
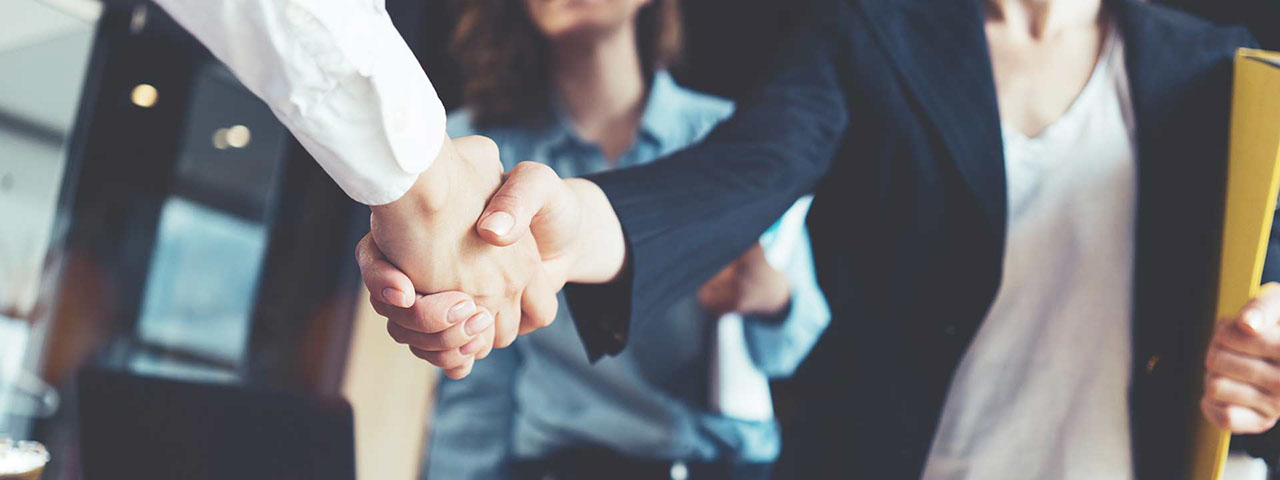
391,392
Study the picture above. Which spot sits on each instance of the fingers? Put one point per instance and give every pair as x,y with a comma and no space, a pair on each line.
479,150
386,283
538,305
471,353
1227,391
456,362
447,360
1242,379
1235,418
432,313
527,189
456,336
507,327
1243,339
487,342
1254,371
461,372
1254,331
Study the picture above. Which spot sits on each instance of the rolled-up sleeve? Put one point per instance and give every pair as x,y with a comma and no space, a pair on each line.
338,75
778,347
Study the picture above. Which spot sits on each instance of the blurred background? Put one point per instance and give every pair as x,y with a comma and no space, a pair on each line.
156,222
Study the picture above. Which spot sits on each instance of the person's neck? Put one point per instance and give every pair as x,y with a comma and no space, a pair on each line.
603,89
1044,19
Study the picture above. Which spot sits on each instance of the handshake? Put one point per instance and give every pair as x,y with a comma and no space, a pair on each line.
471,257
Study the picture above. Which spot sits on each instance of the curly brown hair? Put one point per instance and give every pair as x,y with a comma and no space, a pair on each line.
504,57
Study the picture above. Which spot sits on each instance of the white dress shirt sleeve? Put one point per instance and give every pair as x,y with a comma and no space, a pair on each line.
340,78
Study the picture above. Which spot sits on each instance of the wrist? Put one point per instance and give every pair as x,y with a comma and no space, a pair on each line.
429,193
602,251
774,305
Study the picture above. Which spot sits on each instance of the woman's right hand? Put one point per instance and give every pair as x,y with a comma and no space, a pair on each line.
749,285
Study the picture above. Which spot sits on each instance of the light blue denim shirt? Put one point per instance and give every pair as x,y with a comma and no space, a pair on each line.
542,395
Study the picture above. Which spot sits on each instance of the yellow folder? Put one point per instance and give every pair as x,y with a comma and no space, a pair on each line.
1253,178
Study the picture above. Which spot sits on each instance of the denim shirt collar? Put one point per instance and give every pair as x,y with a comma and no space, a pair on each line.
655,127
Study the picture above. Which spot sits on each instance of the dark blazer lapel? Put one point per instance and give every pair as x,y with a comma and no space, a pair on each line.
1147,62
940,49
1149,58
1163,68
1179,80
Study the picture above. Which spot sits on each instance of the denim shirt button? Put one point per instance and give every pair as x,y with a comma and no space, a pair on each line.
679,471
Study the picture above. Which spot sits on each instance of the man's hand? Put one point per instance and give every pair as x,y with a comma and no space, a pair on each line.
1242,378
429,236
452,340
434,247
749,285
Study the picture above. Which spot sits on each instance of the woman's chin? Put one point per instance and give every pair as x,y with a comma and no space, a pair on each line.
580,31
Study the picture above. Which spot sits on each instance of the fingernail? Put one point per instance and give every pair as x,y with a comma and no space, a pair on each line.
394,297
461,311
479,323
499,223
1254,320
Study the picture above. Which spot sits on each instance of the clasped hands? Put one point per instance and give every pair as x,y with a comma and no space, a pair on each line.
489,280
493,271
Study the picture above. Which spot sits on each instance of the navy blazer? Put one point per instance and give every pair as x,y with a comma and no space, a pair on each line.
888,109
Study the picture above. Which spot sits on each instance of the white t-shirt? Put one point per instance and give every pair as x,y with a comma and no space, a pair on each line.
1042,391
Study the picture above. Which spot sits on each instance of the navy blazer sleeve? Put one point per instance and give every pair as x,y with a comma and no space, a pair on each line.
688,215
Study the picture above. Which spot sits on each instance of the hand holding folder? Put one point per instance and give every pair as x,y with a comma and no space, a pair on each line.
1253,182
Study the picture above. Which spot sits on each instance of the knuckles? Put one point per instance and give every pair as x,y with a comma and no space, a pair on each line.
543,321
1270,384
1216,387
479,150
534,171
1216,415
1213,361
394,331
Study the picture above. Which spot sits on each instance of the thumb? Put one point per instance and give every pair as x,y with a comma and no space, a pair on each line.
527,190
386,283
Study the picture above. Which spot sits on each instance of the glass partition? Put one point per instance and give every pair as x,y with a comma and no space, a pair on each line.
44,52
